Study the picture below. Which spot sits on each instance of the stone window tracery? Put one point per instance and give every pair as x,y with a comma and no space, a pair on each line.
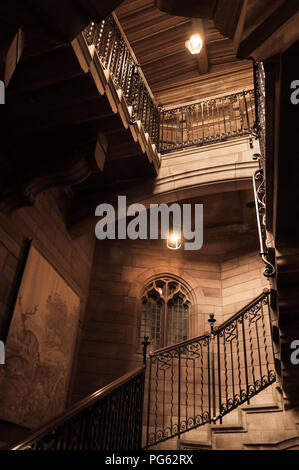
165,312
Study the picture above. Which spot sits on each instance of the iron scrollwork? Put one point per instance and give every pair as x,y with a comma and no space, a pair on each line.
199,381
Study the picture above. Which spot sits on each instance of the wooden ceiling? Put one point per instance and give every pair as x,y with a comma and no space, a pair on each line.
174,75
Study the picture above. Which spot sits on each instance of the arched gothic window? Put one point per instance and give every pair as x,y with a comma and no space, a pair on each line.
165,311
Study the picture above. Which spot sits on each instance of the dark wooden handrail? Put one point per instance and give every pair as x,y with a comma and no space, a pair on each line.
76,409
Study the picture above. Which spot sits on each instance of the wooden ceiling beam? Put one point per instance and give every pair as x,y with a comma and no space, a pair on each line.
202,57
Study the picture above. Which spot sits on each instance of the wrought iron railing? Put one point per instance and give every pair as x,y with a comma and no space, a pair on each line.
260,105
260,206
190,384
201,123
259,184
110,419
200,380
208,121
116,57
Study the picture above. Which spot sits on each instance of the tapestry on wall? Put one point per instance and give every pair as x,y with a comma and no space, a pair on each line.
39,348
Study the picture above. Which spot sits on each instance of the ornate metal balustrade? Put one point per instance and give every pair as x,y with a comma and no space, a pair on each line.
110,419
259,185
199,381
201,123
208,121
190,384
260,206
116,57
260,106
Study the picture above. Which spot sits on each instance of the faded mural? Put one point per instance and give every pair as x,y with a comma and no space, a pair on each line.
40,345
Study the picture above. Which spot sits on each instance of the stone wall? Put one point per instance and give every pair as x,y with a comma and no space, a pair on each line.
44,223
120,270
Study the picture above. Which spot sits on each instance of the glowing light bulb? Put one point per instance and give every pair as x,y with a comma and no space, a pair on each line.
174,242
174,238
194,45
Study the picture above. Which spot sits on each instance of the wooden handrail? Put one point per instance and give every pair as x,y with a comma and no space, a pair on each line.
76,408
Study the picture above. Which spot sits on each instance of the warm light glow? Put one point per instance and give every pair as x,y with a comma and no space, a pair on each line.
194,45
174,242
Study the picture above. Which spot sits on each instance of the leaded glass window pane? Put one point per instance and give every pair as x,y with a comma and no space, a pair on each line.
151,321
177,321
165,313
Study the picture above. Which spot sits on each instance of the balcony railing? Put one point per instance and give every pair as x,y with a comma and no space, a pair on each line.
210,121
200,380
205,122
260,105
259,181
116,56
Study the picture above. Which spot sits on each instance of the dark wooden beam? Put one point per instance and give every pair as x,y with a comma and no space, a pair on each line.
202,57
272,28
189,8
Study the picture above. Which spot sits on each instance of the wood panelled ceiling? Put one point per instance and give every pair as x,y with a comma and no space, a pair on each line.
174,75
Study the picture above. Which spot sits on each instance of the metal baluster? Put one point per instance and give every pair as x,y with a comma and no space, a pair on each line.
187,387
197,122
194,390
232,364
172,396
270,326
149,402
259,351
225,364
156,398
182,120
252,108
163,408
201,378
251,352
177,119
162,147
245,360
109,50
202,122
219,375
213,119
218,116
231,115
209,379
264,336
208,120
239,360
224,123
212,321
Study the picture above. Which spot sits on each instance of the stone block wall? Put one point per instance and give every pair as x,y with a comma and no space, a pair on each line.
45,224
121,269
